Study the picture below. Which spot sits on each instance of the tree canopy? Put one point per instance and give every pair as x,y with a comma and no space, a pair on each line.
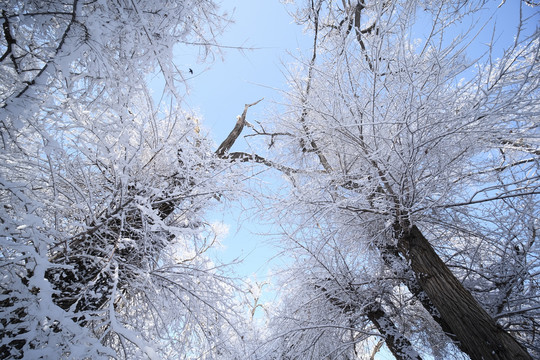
409,210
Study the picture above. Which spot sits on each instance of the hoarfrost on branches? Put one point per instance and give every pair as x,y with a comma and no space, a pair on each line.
410,213
104,190
413,166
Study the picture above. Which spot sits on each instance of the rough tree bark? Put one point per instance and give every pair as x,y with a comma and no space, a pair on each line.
478,334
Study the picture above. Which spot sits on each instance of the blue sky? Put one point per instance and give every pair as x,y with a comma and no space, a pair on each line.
219,91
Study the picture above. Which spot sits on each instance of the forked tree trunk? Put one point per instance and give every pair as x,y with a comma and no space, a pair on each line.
479,335
396,342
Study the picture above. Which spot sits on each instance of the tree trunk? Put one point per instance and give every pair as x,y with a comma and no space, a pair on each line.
393,260
478,334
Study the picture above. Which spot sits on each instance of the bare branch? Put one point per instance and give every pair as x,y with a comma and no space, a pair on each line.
10,42
236,131
245,157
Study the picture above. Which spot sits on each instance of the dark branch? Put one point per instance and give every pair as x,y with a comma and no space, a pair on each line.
398,344
60,45
10,41
245,157
359,32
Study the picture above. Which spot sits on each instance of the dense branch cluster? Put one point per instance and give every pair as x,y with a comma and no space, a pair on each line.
409,209
413,169
103,189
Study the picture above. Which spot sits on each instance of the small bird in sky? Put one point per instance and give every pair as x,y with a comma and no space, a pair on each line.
190,71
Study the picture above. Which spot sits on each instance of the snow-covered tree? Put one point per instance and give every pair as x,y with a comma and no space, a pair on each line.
103,189
412,150
410,146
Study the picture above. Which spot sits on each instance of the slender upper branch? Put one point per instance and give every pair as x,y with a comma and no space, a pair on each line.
314,147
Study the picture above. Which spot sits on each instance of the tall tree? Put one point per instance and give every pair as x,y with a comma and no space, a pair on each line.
103,189
407,146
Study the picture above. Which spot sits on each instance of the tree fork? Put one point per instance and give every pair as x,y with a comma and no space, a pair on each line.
478,334
397,343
